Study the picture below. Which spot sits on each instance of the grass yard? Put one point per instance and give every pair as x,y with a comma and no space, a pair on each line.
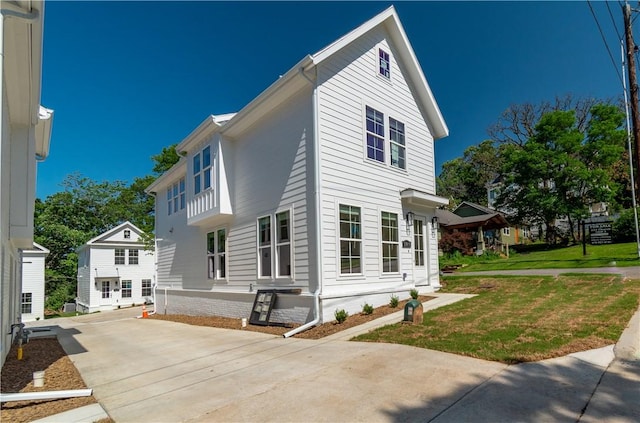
520,319
623,255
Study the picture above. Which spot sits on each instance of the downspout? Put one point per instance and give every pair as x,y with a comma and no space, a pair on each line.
317,208
155,264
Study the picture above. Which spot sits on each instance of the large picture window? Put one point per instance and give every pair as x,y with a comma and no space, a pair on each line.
350,239
216,254
390,247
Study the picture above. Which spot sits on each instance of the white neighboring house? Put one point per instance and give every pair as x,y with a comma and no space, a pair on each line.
25,130
32,307
115,270
324,183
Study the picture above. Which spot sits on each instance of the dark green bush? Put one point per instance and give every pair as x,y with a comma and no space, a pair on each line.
341,315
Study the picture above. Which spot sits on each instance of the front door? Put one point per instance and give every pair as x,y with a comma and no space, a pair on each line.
419,251
106,292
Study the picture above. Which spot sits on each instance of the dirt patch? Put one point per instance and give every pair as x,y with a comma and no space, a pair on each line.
317,332
59,374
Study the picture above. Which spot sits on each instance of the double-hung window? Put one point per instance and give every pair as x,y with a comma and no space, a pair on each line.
390,247
202,170
274,245
176,197
126,289
146,287
377,139
384,65
27,302
350,239
375,134
216,254
396,142
264,246
133,256
119,256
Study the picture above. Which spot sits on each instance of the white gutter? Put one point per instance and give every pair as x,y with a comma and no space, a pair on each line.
45,395
317,208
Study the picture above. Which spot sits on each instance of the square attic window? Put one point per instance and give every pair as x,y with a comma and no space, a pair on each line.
127,234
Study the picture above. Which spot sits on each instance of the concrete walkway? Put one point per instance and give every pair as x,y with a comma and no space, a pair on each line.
151,370
629,272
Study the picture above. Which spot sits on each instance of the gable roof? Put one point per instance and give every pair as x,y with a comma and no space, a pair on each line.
126,225
36,250
295,79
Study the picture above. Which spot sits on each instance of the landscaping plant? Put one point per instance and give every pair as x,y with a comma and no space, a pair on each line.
393,303
367,308
341,315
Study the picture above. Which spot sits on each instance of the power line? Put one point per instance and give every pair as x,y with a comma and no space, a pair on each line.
613,20
613,62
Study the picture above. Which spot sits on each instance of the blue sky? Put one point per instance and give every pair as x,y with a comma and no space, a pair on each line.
128,78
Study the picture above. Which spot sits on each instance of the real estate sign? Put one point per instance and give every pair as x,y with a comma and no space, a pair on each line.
600,233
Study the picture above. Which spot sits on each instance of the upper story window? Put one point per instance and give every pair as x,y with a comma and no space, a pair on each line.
202,170
375,134
396,141
384,65
119,256
127,234
176,197
133,256
377,138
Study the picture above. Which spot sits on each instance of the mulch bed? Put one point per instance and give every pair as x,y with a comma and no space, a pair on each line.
317,332
60,374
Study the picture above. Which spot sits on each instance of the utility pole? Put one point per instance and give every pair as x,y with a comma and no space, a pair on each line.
633,88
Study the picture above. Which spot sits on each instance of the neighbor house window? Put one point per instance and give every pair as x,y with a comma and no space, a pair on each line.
133,256
350,239
418,240
375,134
384,63
27,302
396,142
506,231
146,287
264,246
283,244
127,234
126,289
119,256
390,247
202,170
216,254
106,289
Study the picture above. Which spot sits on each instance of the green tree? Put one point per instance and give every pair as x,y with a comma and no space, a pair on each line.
165,160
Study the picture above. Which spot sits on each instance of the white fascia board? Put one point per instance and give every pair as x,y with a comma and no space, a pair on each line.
267,100
36,250
113,230
43,132
36,59
423,199
392,23
177,170
206,128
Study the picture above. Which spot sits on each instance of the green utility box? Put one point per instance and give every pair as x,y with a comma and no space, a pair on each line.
413,312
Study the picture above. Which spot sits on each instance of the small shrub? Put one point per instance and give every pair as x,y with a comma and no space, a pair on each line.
341,315
414,293
367,308
393,303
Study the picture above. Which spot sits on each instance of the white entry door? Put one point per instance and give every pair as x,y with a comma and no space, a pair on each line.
106,292
420,251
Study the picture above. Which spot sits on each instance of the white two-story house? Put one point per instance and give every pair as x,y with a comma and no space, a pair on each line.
321,189
25,131
33,264
115,270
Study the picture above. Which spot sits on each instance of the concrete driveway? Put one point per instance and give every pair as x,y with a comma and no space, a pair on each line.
145,370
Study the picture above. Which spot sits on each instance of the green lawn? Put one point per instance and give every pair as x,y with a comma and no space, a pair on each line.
517,319
623,255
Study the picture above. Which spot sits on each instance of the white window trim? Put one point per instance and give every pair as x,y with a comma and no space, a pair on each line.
380,241
339,274
424,245
210,170
142,287
216,255
273,245
387,113
137,256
